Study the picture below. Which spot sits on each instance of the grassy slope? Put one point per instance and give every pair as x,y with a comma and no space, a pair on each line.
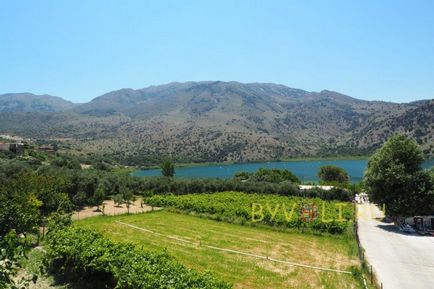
245,272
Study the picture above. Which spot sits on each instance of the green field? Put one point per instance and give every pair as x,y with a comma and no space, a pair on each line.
196,243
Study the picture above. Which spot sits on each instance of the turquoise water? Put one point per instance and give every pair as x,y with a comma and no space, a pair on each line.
305,170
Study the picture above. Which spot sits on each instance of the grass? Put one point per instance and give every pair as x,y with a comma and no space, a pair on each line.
338,252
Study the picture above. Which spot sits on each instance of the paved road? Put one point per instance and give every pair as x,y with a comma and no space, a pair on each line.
401,261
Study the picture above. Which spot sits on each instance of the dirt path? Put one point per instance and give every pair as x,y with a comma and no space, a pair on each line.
110,209
401,261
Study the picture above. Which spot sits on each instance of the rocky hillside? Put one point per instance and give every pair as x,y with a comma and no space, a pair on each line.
226,121
27,102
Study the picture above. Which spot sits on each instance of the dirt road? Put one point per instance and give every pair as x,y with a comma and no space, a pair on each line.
401,261
110,209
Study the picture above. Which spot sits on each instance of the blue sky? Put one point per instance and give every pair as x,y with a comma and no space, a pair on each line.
374,50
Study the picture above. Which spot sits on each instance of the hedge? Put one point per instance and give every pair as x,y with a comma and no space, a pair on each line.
85,253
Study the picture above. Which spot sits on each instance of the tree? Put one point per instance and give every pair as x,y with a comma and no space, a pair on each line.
118,199
168,168
67,162
129,199
394,178
99,197
115,184
85,181
79,199
431,173
19,212
333,174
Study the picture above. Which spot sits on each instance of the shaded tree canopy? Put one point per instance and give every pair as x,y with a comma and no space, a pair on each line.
394,177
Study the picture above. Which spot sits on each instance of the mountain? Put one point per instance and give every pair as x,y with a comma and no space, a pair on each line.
226,121
27,102
197,97
416,120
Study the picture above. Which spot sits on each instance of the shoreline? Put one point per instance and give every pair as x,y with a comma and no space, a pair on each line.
227,163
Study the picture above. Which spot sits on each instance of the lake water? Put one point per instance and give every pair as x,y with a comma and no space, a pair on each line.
305,170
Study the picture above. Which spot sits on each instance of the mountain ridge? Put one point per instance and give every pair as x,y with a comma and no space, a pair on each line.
29,102
226,121
196,82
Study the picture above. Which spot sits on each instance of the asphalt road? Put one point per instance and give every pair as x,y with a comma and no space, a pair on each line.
401,261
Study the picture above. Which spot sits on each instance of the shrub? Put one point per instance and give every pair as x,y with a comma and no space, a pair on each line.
236,207
333,175
87,255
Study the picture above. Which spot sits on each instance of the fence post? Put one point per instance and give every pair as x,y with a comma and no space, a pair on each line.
371,275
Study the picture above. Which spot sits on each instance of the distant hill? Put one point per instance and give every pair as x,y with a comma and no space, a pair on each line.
226,121
27,102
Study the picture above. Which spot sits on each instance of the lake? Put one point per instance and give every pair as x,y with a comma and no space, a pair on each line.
305,170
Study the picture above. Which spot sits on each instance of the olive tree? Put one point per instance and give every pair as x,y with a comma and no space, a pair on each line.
118,199
98,197
129,199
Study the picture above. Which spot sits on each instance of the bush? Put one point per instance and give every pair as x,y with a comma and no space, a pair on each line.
87,255
333,175
12,249
235,207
